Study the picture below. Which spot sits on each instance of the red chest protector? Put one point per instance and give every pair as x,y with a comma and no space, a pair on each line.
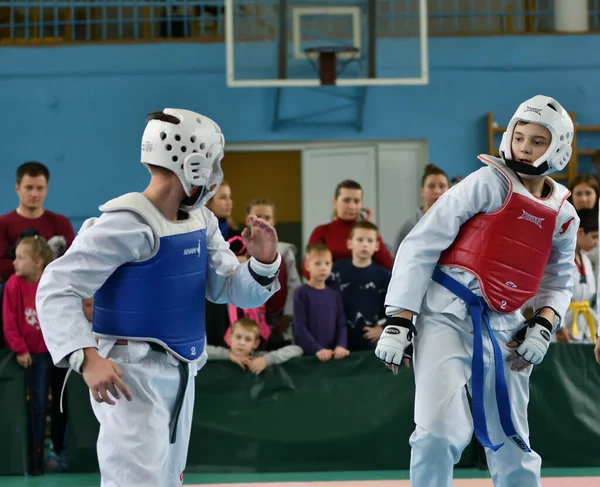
507,251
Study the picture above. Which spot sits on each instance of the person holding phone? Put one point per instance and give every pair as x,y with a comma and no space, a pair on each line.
347,209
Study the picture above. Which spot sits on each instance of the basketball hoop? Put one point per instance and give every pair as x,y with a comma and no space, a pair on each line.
327,55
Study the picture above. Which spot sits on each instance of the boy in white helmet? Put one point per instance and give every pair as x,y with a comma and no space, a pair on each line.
149,261
501,236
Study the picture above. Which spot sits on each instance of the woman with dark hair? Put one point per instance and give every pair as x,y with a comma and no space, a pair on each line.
434,184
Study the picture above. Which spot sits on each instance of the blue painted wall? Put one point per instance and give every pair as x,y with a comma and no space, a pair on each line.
81,109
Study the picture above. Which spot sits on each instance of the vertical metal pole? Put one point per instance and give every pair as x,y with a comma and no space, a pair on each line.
372,40
282,47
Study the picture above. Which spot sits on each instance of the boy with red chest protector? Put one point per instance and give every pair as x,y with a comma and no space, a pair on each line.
503,235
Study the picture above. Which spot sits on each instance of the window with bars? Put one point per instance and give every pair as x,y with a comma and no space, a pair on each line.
49,21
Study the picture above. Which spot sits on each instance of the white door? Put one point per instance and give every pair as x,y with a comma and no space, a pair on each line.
400,168
322,169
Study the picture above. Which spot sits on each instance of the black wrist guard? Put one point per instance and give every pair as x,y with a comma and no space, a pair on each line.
530,323
540,320
402,322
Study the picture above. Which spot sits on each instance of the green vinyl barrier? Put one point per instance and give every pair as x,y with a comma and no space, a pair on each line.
13,416
351,414
564,409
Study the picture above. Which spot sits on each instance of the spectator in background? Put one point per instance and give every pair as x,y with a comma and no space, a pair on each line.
280,306
32,188
596,163
319,320
32,218
363,285
347,209
24,337
257,315
217,317
434,184
221,205
584,194
580,323
2,342
245,339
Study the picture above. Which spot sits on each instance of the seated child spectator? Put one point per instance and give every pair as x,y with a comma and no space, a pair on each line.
24,337
319,320
245,339
363,285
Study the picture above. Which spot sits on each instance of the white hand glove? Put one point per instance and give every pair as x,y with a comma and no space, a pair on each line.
532,342
395,343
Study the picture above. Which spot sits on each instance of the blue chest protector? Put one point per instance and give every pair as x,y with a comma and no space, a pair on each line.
160,300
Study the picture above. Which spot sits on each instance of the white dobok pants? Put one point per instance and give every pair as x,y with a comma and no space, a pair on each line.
444,426
134,448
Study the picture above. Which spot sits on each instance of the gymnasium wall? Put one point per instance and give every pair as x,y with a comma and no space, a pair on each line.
80,109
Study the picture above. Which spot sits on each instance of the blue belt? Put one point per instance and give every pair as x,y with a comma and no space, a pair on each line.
478,309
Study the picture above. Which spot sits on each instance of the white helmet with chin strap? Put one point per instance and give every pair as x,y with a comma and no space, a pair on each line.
192,148
545,111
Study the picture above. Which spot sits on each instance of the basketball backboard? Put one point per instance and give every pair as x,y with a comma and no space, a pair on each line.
287,43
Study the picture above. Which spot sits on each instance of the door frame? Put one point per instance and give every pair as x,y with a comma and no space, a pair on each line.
302,145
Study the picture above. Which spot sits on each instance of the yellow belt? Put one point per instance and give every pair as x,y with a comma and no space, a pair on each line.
579,307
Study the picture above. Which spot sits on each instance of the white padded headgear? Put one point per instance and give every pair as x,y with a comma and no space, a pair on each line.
192,149
545,111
